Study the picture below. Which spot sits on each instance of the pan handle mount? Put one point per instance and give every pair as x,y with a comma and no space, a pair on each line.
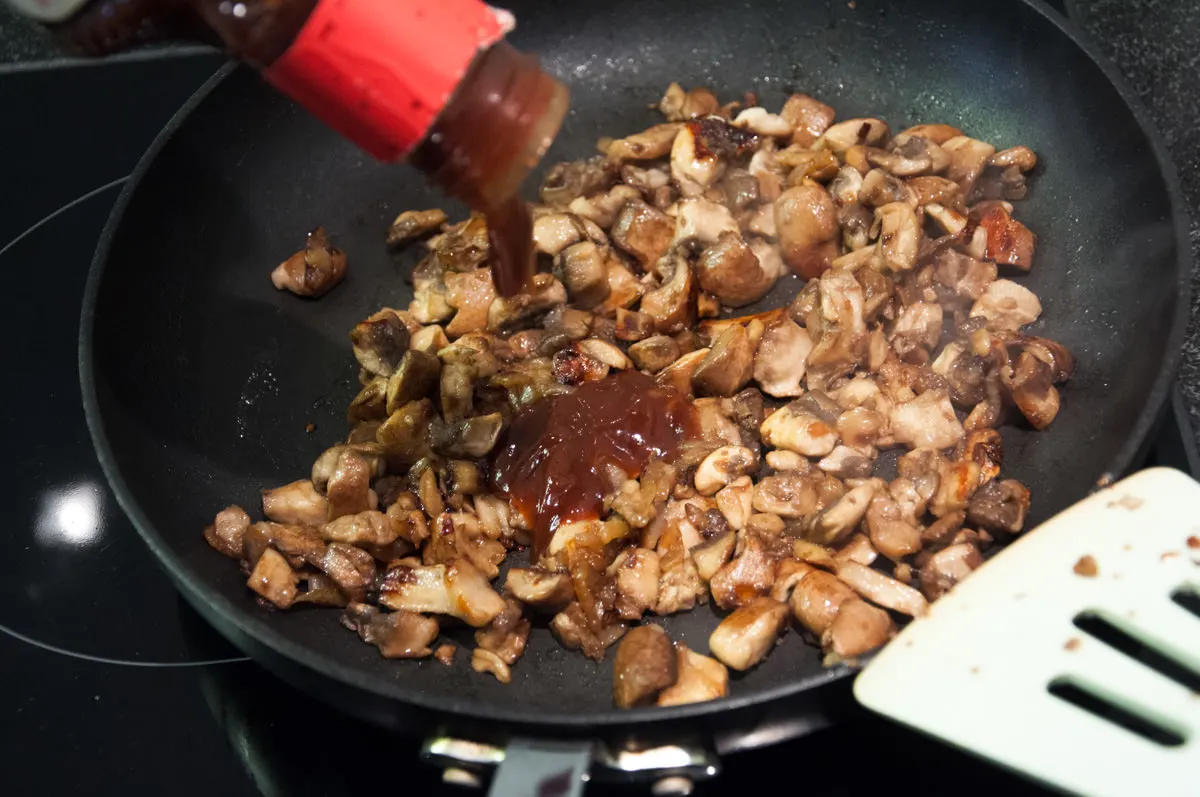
545,768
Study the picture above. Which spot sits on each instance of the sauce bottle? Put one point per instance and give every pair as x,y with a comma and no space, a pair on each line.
432,81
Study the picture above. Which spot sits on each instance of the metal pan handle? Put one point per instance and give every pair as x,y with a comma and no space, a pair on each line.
538,768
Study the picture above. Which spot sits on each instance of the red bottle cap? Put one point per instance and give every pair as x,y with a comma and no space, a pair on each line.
380,71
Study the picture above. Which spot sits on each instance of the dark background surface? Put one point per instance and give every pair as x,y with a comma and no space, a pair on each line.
107,691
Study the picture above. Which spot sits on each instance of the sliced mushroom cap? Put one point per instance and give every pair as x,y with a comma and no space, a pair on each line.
882,589
728,365
807,229
854,132
643,231
808,117
817,598
670,306
405,434
654,142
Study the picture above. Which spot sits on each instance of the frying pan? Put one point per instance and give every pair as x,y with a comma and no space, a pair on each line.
199,378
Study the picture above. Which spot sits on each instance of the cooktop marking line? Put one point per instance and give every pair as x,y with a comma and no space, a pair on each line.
120,662
62,210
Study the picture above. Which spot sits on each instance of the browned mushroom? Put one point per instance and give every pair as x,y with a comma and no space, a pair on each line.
730,271
670,306
644,666
699,679
808,117
807,229
398,635
313,271
228,531
414,224
643,231
746,636
728,365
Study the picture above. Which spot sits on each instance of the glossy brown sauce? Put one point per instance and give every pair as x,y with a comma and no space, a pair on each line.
552,464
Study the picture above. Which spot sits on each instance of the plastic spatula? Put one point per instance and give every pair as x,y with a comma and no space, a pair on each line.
1073,655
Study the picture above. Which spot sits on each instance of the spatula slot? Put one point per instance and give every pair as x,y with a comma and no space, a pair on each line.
1132,718
1188,598
1126,638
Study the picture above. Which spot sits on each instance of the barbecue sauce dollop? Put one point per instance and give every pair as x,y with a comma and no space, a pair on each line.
552,463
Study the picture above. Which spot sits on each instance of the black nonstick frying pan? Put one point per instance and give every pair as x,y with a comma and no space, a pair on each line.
199,378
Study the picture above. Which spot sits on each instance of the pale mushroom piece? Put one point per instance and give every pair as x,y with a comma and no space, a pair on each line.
781,358
766,169
679,105
951,221
857,549
228,531
722,467
605,352
539,296
890,532
380,341
486,661
760,120
699,679
838,521
788,573
583,269
846,462
457,589
730,270
920,323
297,502
1007,305
643,231
909,155
654,142
415,378
694,168
795,494
749,573
429,305
968,158
808,118
603,208
623,288
947,567
429,339
702,221
958,482
899,235
711,555
367,528
786,460
1020,156
762,222
654,353
928,421
807,229
635,573
853,132
413,224
736,502
728,365
540,589
746,636
882,589
937,133
817,598
796,430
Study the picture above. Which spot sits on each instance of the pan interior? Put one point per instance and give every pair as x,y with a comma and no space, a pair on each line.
204,378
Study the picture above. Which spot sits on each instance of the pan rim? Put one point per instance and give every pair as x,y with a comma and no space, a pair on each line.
223,612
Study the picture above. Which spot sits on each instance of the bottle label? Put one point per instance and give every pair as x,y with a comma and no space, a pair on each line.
380,72
47,10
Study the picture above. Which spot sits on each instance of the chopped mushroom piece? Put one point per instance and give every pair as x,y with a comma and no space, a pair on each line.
947,567
380,341
808,117
728,365
313,271
636,575
458,589
839,520
854,132
645,665
858,628
699,679
654,353
507,633
746,636
1007,305
643,231
761,121
779,362
1000,506
398,635
701,221
884,590
274,579
731,271
928,421
654,142
670,307
722,466
792,428
807,228
679,105
414,224
486,661
968,158
748,575
349,487
228,531
298,502
571,628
